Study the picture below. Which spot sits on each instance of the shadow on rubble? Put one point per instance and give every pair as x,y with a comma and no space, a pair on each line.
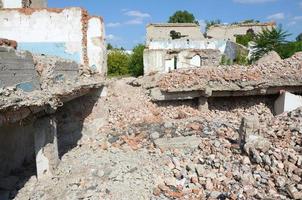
71,118
233,103
21,160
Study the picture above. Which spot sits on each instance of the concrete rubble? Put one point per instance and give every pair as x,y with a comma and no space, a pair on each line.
232,78
171,150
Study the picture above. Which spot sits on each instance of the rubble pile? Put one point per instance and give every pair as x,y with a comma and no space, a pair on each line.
190,158
237,149
279,73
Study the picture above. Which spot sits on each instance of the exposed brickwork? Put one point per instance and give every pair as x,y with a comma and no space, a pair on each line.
8,43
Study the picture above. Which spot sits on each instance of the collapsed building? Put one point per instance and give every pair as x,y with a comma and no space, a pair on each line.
50,61
164,53
74,34
179,45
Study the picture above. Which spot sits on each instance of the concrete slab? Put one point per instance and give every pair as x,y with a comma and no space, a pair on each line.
17,69
287,102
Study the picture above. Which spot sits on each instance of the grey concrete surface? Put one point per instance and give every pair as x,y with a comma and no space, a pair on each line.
17,69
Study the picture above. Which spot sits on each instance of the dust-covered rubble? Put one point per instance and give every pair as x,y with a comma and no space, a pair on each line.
237,149
215,161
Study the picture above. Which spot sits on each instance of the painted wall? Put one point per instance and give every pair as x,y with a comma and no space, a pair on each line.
24,3
96,49
51,32
66,33
191,44
12,3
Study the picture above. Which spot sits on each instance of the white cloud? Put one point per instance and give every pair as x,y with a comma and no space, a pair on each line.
138,17
292,23
297,18
276,16
253,1
114,24
134,21
112,37
138,14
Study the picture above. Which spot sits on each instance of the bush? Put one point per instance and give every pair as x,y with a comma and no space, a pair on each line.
289,49
225,60
118,62
245,39
136,65
241,58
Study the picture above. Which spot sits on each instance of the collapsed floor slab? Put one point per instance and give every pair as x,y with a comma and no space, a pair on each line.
224,81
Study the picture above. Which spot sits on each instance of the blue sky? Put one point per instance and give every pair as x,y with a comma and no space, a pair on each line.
126,20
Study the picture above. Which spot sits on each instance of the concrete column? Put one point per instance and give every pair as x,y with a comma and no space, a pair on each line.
46,146
203,104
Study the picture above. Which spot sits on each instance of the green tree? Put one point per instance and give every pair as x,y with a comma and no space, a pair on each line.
109,46
299,37
118,62
268,40
136,66
183,17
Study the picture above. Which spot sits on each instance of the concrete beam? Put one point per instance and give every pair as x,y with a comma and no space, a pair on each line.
186,94
46,146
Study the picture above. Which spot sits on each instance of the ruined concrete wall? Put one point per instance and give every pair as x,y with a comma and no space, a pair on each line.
66,33
229,32
198,58
50,32
154,61
17,69
167,60
162,31
16,146
96,48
